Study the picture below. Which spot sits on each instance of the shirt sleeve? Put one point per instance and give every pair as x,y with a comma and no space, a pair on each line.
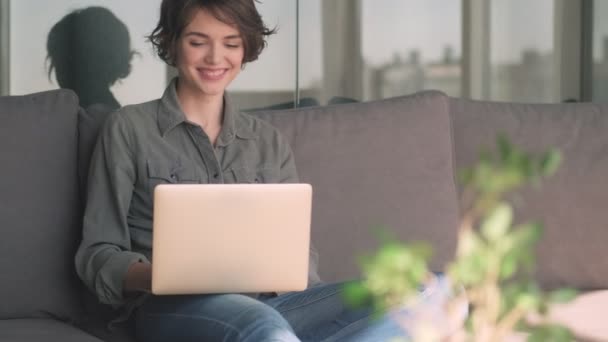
288,174
104,255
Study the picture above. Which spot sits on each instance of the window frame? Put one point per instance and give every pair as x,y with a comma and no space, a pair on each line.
4,47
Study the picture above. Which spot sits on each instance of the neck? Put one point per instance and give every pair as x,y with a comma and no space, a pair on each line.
200,109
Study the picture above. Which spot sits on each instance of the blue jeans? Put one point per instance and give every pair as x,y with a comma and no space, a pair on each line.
316,314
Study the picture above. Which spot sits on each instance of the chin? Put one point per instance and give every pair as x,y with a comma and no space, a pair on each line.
212,91
206,90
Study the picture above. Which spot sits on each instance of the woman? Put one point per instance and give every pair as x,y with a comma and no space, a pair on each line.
194,135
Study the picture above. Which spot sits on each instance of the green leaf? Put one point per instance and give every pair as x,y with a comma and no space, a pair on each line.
562,295
508,179
505,245
422,250
355,294
526,235
468,243
553,333
469,269
510,293
551,162
496,225
483,175
543,309
465,176
529,301
508,266
504,147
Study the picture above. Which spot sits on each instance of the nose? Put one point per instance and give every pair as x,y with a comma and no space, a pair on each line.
214,54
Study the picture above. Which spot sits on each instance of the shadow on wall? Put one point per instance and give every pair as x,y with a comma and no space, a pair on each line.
89,50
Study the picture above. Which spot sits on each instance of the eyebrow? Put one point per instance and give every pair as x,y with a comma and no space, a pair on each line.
202,35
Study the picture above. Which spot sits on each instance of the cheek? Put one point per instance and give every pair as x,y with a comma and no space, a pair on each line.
190,57
236,59
186,56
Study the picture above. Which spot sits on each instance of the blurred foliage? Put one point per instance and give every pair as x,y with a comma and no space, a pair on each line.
494,256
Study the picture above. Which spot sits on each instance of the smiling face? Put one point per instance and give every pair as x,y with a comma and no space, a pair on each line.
209,55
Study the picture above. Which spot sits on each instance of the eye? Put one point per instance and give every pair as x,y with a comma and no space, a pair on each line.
195,43
233,46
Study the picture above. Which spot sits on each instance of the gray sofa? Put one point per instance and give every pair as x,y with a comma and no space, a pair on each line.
389,163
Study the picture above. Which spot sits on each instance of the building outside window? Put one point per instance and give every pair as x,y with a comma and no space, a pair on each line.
521,51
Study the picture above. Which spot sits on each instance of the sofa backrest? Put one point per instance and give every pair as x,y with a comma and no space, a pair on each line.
573,204
379,164
40,211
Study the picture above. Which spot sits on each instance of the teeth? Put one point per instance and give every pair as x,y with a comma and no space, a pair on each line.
214,73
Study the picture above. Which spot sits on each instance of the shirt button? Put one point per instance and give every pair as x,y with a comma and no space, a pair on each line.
216,175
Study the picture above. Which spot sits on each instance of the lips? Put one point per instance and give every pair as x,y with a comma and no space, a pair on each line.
212,74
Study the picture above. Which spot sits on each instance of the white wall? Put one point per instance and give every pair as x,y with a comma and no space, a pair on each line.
31,20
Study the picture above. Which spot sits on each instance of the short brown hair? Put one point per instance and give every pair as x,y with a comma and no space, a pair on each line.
175,15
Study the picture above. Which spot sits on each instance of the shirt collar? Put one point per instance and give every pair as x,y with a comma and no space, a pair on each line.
170,115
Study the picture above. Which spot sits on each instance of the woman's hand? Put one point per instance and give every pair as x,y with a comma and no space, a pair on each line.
139,278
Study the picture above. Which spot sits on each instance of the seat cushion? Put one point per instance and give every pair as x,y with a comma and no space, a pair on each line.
383,165
40,212
37,330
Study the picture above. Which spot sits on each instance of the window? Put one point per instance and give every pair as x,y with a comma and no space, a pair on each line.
521,51
338,51
372,49
270,81
600,52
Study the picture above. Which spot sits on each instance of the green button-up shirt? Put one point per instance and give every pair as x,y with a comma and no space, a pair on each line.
141,146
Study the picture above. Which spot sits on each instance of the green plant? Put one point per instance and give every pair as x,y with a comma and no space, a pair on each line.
493,260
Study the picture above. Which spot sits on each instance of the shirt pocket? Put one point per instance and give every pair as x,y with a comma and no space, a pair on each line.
165,172
251,175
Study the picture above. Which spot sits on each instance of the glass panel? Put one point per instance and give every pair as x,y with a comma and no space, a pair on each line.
521,53
270,81
600,51
372,49
89,49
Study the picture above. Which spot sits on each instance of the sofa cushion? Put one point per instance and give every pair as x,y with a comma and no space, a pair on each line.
98,315
39,206
37,330
385,163
573,203
89,125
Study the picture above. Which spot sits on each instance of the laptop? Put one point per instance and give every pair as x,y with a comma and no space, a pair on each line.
230,238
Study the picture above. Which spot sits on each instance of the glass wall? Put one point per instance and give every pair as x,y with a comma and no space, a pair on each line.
270,81
411,45
331,52
75,43
600,51
97,48
521,51
371,49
